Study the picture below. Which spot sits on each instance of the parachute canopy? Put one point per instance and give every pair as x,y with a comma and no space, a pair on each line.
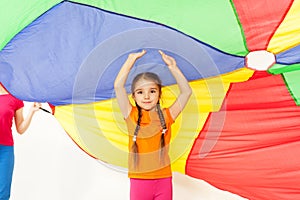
240,131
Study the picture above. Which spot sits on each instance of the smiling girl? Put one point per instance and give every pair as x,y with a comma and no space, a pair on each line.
149,128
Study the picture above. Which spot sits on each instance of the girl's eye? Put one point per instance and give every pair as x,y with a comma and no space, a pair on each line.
153,91
139,92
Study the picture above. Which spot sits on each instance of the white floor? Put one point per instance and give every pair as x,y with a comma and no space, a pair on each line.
49,166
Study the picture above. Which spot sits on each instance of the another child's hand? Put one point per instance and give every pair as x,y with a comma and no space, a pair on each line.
35,106
135,56
170,61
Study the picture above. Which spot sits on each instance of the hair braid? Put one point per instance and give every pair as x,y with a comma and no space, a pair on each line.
134,147
162,138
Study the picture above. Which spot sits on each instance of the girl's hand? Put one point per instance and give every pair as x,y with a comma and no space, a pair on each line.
135,56
170,61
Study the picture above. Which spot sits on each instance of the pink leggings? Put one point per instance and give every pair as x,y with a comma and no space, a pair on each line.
151,189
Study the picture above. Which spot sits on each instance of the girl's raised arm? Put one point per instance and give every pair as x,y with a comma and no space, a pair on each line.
185,89
119,84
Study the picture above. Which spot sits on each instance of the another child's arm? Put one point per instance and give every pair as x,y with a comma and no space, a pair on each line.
119,84
185,89
21,123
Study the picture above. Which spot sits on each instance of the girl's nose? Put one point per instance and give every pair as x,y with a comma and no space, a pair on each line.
146,95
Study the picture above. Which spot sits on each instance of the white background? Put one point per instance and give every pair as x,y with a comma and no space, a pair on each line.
50,166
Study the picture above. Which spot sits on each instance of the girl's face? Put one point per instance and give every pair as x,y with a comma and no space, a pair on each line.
146,94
